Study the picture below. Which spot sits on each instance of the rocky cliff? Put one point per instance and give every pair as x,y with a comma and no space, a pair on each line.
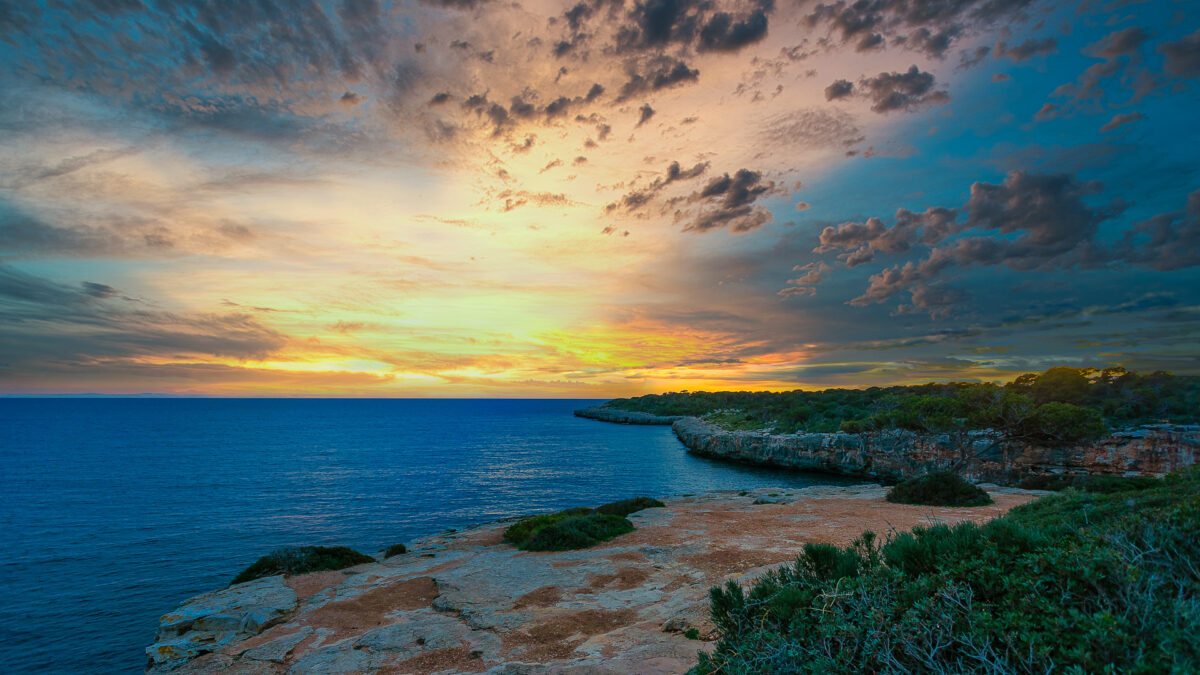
604,414
897,454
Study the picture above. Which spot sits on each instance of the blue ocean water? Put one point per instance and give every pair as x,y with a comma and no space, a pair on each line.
112,511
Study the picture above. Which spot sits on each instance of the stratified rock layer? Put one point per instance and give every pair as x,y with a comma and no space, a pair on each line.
468,603
898,454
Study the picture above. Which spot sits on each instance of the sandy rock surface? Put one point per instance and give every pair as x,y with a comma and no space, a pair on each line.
468,603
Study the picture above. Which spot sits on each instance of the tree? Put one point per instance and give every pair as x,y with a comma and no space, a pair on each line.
1062,384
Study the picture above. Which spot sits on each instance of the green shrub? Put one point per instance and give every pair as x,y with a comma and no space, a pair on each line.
578,532
1075,582
1088,482
301,560
520,532
394,549
692,634
627,506
579,527
942,488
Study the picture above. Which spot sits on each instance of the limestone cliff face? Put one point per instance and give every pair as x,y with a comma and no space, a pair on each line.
897,454
604,414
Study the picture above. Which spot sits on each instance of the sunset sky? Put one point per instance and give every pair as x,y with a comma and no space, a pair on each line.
592,199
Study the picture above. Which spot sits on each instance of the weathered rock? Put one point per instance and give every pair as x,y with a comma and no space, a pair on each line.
605,414
209,622
477,604
896,454
278,649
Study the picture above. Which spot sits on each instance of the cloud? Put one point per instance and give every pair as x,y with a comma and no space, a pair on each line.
644,114
805,284
927,27
728,202
1026,50
1166,242
902,91
1182,56
723,33
1121,120
1120,43
839,89
1028,222
655,73
44,322
637,199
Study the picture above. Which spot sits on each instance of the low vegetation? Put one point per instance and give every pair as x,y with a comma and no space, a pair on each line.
1060,406
575,528
943,488
1075,582
301,560
1088,482
394,549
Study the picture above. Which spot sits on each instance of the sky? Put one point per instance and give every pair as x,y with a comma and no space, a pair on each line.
592,198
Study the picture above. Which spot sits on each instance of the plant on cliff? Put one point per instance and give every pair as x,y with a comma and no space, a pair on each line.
301,560
1075,582
395,549
942,488
579,527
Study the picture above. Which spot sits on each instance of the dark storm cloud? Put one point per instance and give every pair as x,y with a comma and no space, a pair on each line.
929,27
1183,56
659,72
1028,222
728,202
43,321
839,89
637,199
901,91
723,33
1026,50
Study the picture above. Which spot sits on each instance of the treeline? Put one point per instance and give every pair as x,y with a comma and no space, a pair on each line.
1061,405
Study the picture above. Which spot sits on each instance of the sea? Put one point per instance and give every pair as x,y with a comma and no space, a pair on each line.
114,510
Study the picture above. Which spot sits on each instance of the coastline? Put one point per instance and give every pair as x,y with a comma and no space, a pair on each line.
893,455
467,602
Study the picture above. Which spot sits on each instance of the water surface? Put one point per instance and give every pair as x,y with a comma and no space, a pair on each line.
114,510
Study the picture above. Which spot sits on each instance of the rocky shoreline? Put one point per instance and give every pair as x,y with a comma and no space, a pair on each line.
467,603
896,454
616,416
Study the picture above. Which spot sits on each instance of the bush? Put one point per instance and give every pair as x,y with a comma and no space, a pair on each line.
943,488
586,527
578,532
1088,482
302,560
627,506
1076,582
394,549
521,531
